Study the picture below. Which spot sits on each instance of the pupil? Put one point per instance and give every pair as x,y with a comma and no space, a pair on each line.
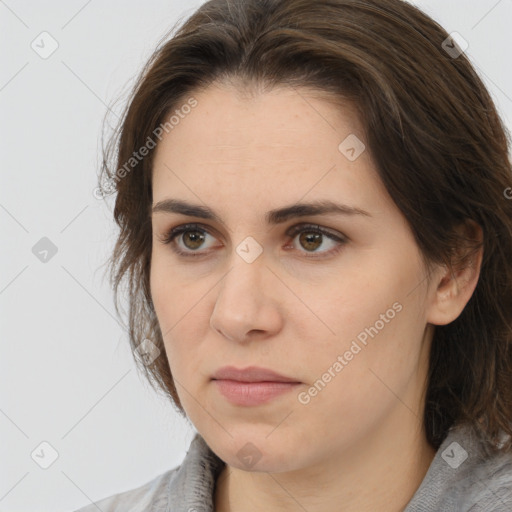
311,240
196,237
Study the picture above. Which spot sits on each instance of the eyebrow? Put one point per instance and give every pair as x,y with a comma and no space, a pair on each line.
276,216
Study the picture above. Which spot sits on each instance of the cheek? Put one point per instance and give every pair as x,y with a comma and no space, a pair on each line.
346,307
378,327
181,309
359,390
172,293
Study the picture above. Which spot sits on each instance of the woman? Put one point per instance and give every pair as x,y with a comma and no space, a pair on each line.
316,233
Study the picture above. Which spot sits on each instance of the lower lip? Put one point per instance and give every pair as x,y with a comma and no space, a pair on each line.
253,393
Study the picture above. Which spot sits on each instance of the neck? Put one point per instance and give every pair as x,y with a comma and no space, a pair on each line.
382,471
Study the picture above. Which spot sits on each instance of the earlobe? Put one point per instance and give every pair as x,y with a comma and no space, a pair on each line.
455,284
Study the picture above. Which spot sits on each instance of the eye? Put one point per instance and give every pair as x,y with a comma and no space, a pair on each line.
192,237
311,237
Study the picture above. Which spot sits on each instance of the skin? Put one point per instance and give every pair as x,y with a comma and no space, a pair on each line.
359,444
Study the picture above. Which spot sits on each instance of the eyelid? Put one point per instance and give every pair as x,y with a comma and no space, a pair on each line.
170,235
303,226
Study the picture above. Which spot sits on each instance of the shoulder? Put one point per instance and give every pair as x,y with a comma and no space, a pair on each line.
189,486
151,495
487,486
466,475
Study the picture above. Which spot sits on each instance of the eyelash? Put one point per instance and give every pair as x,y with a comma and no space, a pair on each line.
169,237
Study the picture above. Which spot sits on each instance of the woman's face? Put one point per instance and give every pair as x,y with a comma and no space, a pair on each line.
339,305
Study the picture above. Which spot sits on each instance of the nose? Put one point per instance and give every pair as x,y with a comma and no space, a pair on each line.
247,305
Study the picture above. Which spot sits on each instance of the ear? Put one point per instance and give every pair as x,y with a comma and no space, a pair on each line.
454,285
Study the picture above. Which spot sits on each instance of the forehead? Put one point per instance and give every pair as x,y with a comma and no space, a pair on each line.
229,120
283,142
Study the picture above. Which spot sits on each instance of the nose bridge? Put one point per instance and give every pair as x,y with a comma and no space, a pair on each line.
244,301
248,268
242,286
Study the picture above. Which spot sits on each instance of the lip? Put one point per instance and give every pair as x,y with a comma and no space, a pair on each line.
252,393
252,386
251,374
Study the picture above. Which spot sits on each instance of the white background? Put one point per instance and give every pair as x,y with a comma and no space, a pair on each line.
67,373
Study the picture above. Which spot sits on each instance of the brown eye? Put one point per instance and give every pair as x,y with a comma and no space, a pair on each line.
186,240
193,239
313,238
310,241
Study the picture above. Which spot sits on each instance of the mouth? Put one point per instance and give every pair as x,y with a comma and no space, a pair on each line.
251,374
252,386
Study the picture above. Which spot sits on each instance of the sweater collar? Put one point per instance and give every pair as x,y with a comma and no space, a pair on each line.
192,489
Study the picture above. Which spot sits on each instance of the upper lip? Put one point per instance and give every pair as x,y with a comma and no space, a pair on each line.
250,374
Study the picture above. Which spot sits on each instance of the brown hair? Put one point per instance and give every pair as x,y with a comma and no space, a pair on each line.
438,142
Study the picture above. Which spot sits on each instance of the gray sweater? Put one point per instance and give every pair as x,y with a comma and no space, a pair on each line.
463,476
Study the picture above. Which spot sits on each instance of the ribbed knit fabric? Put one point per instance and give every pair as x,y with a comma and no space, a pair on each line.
463,477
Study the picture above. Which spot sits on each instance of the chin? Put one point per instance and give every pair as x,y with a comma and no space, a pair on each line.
252,449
